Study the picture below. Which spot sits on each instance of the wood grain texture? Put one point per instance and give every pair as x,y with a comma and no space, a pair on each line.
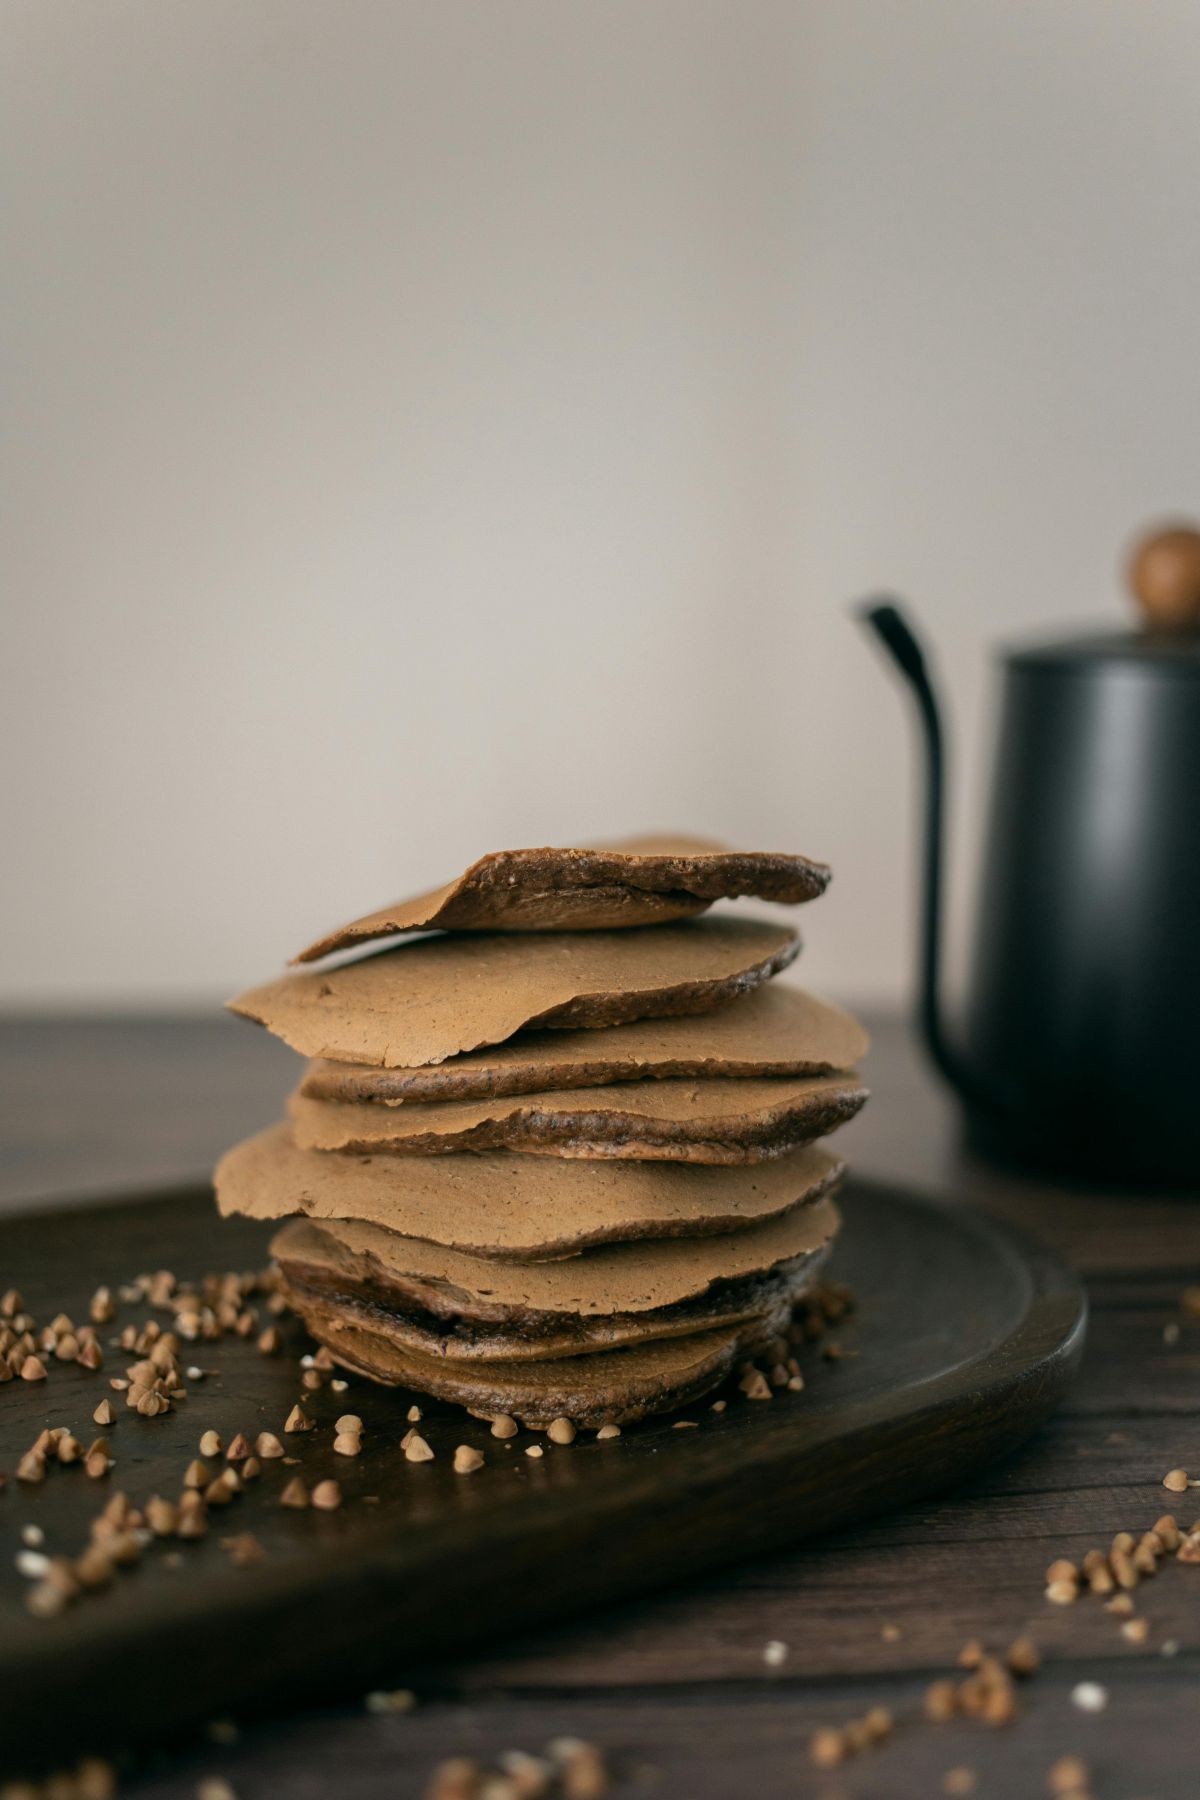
964,1342
675,1687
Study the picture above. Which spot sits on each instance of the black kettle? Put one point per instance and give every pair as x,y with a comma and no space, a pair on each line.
1080,1053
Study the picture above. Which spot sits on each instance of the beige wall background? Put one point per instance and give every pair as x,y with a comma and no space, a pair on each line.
432,427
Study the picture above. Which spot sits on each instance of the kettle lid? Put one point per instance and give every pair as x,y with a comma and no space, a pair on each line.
1164,576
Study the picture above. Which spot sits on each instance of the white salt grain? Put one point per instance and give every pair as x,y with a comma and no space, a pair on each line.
1089,1696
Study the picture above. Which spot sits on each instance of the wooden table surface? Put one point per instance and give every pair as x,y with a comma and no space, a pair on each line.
676,1689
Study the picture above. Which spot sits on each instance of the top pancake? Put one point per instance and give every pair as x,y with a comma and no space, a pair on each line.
776,1030
424,1001
637,881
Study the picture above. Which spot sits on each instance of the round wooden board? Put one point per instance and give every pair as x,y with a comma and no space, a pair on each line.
963,1340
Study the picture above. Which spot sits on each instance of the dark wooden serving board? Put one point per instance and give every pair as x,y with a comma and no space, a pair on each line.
964,1338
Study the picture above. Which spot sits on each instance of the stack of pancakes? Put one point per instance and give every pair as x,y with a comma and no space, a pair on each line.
559,1159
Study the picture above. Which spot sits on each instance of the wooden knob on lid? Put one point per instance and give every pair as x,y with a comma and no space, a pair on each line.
1164,573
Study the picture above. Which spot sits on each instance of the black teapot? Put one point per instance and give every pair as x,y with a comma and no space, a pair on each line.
1081,1047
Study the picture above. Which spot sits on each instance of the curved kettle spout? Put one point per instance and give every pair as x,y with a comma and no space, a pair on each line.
887,621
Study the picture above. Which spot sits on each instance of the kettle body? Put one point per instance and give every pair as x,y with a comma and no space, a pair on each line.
1083,1018
1080,1050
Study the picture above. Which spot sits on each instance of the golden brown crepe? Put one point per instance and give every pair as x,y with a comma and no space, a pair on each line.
523,1206
647,1121
643,1276
776,1030
610,1387
436,997
638,881
312,1278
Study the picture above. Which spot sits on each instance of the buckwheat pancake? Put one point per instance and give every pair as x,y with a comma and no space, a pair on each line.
611,1387
494,1204
775,1030
668,1121
436,997
768,1297
349,1257
638,881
